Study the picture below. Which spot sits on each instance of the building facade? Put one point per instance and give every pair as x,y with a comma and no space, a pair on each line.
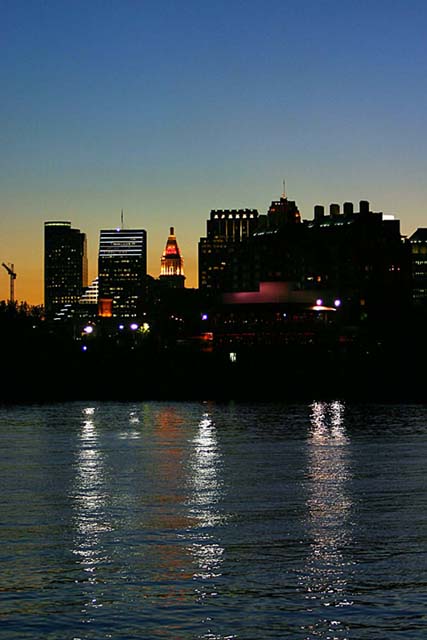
358,255
362,256
65,265
226,230
122,271
418,244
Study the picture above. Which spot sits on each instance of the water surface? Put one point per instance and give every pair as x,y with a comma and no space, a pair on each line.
199,520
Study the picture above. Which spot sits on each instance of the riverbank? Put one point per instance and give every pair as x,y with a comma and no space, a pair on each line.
292,373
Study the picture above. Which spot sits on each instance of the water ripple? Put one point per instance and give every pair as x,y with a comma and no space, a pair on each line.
208,521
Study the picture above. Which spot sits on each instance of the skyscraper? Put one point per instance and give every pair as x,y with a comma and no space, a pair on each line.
122,270
172,264
418,247
226,230
65,265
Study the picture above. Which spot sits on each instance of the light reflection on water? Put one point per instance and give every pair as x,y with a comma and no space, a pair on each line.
131,429
329,506
90,513
191,521
206,490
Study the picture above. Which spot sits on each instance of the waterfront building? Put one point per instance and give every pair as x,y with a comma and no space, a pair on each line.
358,256
363,257
65,265
172,264
122,271
278,314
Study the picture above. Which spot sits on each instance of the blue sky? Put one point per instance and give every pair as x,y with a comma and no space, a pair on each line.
170,109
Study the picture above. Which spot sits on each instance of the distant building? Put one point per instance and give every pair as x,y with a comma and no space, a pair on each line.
227,260
418,244
65,265
86,307
278,314
358,256
90,294
122,271
225,231
172,264
282,212
362,256
276,250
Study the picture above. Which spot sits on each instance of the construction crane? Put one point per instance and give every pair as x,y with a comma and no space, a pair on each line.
12,276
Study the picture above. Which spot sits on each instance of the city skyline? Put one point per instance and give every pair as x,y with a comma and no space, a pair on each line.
170,110
154,263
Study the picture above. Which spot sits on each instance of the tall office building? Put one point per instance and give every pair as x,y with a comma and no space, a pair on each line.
418,245
225,263
225,231
65,265
122,270
172,264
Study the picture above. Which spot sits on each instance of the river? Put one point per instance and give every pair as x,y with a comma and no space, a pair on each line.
213,521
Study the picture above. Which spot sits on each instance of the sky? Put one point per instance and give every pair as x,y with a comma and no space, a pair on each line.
168,109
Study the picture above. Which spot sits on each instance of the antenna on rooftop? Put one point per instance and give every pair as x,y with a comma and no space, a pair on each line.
284,188
121,219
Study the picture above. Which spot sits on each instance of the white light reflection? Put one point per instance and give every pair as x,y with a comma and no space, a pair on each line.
89,499
205,496
329,527
131,432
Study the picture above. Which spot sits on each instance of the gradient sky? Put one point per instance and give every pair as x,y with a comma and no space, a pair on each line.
169,109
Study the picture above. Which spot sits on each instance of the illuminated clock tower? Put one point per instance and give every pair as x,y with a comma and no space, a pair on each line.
172,264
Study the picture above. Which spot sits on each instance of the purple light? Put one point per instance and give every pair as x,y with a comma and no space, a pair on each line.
319,302
204,316
84,348
337,302
134,326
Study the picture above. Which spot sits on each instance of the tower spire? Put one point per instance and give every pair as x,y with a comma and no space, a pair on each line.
172,263
121,219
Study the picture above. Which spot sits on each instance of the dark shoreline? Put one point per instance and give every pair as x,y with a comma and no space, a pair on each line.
264,375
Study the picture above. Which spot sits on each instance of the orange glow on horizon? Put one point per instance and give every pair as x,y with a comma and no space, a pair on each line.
29,281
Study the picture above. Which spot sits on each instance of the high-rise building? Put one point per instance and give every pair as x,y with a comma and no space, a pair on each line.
122,271
172,264
358,257
225,262
226,230
65,265
418,244
282,212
